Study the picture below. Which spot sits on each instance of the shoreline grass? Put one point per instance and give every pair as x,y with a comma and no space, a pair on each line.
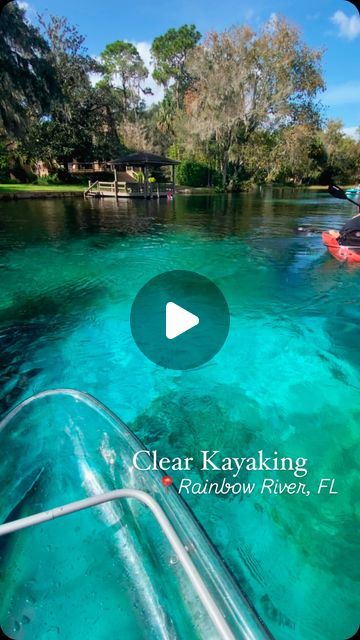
11,188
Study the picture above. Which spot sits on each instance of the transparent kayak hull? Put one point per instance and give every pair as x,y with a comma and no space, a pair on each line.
108,571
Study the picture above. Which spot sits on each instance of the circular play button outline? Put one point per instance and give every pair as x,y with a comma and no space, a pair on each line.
180,319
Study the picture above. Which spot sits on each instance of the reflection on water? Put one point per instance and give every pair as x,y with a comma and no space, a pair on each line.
287,378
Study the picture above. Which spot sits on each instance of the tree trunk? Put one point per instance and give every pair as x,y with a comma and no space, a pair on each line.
225,166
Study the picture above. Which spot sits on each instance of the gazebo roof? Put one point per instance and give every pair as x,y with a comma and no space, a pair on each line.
143,158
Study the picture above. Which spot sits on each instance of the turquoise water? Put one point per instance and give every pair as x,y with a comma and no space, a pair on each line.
287,378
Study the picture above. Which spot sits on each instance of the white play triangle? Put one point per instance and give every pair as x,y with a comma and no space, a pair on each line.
178,320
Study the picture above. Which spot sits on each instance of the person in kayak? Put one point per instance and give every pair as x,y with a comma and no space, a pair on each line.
349,234
344,245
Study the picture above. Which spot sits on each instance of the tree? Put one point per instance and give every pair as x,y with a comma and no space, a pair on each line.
193,174
3,4
68,56
27,80
79,123
246,82
342,154
106,115
124,67
160,125
297,156
170,53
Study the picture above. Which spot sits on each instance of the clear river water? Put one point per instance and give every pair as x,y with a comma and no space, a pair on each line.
286,380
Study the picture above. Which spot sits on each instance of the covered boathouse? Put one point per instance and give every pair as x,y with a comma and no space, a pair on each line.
133,178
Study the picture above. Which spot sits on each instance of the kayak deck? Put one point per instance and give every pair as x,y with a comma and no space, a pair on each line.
340,253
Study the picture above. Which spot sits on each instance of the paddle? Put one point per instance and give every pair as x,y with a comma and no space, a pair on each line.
339,193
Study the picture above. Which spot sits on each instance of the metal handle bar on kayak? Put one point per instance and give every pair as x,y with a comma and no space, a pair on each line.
196,580
247,629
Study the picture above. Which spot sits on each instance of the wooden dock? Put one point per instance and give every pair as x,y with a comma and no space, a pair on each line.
117,189
137,175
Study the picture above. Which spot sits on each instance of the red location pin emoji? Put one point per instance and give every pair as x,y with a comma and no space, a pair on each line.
167,482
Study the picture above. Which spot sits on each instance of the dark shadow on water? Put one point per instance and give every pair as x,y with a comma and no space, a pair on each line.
27,321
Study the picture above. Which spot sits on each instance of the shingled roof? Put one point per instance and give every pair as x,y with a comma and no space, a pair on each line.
142,158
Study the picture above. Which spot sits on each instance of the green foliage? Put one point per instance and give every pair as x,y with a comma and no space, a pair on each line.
27,81
276,84
66,130
61,177
342,154
122,64
240,108
139,176
296,155
192,174
4,165
170,52
80,122
122,59
48,180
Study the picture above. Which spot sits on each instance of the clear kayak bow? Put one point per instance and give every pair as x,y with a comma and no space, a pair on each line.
129,560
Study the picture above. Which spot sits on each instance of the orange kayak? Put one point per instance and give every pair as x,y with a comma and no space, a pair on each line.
343,254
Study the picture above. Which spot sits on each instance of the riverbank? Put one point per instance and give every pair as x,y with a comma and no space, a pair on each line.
32,191
184,190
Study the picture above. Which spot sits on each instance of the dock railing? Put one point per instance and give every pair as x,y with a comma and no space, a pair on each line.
129,189
92,187
109,187
102,188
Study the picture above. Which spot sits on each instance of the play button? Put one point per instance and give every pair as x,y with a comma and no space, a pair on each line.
180,319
